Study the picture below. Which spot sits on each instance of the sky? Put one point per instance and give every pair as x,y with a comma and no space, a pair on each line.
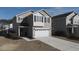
9,12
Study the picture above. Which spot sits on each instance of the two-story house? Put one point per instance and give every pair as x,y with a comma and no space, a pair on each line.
33,24
63,24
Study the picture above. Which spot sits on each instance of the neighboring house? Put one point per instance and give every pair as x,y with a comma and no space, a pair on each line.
63,24
33,24
7,26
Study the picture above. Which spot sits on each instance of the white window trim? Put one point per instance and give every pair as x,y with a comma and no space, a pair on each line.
47,18
19,19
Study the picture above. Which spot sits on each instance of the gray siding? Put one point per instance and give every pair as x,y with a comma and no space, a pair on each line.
29,32
28,23
76,32
59,25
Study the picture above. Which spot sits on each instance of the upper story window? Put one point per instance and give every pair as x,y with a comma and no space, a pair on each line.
47,20
20,18
76,22
34,18
42,19
38,19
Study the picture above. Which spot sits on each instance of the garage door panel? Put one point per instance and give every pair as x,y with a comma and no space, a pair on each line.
41,33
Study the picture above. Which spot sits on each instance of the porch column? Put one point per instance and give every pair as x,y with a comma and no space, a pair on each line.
18,31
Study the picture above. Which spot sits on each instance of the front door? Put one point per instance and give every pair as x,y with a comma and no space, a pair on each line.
23,32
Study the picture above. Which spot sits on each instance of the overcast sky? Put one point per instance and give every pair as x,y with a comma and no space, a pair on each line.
9,12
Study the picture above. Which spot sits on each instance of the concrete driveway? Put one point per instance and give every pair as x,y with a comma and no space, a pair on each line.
60,44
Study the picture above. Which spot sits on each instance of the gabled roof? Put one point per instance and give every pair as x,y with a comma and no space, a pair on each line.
31,12
26,12
65,14
41,12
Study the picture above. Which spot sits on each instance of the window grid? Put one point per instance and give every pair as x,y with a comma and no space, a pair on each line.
41,19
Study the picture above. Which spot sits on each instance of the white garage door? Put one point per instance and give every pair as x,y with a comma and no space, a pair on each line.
41,33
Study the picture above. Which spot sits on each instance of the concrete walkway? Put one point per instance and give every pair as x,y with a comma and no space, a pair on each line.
60,44
27,39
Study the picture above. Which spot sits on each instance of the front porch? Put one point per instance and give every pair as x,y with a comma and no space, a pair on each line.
72,30
24,31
